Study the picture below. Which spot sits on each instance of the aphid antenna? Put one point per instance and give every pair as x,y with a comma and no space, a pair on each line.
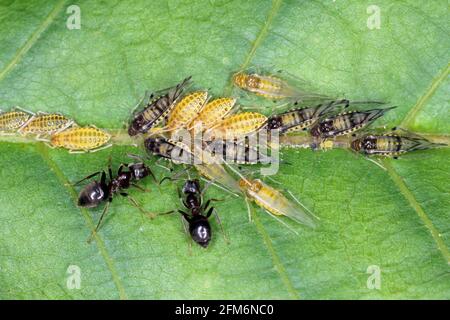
237,173
282,222
176,176
367,102
219,186
66,126
273,180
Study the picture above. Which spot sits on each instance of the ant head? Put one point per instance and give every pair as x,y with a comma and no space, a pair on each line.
191,186
92,195
200,230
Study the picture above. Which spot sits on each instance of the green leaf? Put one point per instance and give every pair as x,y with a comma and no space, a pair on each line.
396,219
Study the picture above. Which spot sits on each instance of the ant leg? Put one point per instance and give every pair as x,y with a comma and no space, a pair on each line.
85,178
216,215
135,204
105,210
122,165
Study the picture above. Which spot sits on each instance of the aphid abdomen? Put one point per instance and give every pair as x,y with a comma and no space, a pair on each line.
80,138
46,124
13,120
238,125
163,148
213,112
186,110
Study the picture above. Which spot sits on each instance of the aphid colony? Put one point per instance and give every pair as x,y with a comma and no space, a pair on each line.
211,135
216,122
55,129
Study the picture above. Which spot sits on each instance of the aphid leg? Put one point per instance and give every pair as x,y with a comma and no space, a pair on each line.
48,144
67,125
161,166
39,138
273,180
219,222
72,151
100,148
20,130
135,204
23,110
104,212
85,178
7,134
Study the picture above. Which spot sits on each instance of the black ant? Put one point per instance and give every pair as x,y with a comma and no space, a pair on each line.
98,191
199,227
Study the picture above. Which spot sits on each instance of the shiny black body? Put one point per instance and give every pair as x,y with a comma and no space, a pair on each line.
199,227
97,191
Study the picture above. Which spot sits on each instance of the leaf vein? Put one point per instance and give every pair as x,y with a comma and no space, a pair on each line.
42,150
32,39
401,185
437,81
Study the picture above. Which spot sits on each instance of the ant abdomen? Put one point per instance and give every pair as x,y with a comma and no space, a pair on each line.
200,230
92,195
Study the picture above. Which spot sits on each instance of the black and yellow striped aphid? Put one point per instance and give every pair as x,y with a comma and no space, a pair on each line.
302,118
13,120
237,152
175,152
156,109
346,122
392,144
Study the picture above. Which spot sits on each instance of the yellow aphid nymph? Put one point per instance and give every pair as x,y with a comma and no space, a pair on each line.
213,112
237,126
186,110
11,121
274,201
82,139
44,123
